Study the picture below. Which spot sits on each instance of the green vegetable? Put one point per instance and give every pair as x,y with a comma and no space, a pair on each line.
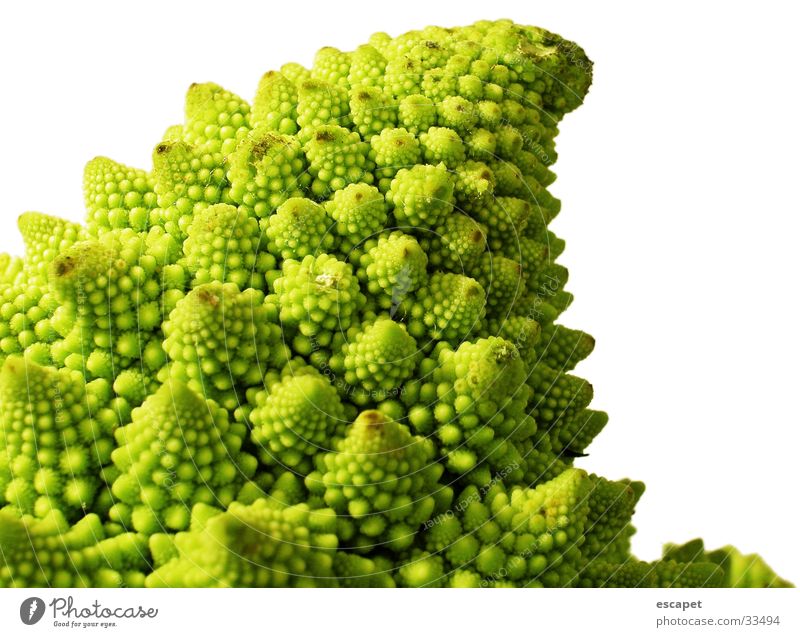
317,344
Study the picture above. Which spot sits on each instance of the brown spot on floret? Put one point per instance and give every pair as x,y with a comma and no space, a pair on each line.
204,296
373,419
261,147
162,148
324,136
312,85
64,266
364,95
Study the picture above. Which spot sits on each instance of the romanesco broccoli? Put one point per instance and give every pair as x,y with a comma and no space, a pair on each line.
318,343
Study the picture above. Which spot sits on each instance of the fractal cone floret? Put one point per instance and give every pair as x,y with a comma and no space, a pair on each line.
318,343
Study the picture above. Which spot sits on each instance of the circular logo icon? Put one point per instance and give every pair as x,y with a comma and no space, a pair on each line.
31,610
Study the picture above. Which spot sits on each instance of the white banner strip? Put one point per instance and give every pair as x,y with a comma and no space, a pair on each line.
400,613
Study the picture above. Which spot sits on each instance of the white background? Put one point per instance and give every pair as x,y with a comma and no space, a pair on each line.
679,185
